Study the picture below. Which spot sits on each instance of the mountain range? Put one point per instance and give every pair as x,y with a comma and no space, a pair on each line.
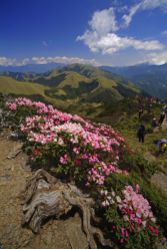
72,87
150,78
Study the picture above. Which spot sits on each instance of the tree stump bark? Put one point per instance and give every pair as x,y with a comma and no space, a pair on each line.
45,197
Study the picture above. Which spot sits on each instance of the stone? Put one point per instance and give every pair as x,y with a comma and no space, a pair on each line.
77,238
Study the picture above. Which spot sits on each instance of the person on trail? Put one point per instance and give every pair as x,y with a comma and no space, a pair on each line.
161,144
162,117
154,123
140,111
141,133
165,110
150,107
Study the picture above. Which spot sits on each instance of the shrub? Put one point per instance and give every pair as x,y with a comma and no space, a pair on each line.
96,157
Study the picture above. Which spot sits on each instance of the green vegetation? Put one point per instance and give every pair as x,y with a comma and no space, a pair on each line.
77,82
150,78
9,85
53,155
107,98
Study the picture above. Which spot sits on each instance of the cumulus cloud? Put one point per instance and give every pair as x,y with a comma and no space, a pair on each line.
104,21
144,5
100,36
111,43
4,61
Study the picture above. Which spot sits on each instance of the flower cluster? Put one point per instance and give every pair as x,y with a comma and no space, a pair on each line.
96,148
135,208
90,153
134,211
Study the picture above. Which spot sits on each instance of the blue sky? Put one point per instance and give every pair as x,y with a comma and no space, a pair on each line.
100,32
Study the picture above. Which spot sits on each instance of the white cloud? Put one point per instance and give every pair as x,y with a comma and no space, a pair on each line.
144,5
104,21
63,59
23,62
4,61
101,36
128,18
164,32
111,43
108,42
156,58
152,4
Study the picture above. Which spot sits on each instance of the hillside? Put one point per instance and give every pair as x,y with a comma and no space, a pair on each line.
77,81
150,78
74,87
10,85
76,168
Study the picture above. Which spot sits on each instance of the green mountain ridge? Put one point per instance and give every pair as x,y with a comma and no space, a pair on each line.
150,78
73,87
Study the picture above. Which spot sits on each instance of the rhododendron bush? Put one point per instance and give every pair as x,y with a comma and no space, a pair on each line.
87,153
76,147
135,220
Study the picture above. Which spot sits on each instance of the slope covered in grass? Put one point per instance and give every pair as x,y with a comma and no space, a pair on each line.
88,83
9,85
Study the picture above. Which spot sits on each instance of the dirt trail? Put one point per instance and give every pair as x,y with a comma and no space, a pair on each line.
54,235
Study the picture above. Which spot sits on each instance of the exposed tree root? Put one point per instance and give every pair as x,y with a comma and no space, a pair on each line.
45,197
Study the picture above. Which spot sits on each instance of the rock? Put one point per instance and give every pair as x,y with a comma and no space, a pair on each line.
156,129
77,238
55,234
15,151
160,180
1,246
164,125
161,246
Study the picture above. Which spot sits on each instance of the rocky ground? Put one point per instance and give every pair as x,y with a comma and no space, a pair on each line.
55,234
66,234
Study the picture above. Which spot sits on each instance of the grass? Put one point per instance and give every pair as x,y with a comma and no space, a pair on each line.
145,160
18,88
9,85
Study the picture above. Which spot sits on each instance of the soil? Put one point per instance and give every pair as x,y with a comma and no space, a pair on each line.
55,234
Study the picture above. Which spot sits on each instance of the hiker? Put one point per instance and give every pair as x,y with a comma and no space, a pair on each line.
161,144
165,110
154,123
141,133
149,107
140,111
162,117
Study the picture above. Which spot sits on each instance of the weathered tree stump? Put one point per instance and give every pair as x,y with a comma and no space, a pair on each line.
45,196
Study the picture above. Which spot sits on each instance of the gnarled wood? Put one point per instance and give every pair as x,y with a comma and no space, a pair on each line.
47,197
